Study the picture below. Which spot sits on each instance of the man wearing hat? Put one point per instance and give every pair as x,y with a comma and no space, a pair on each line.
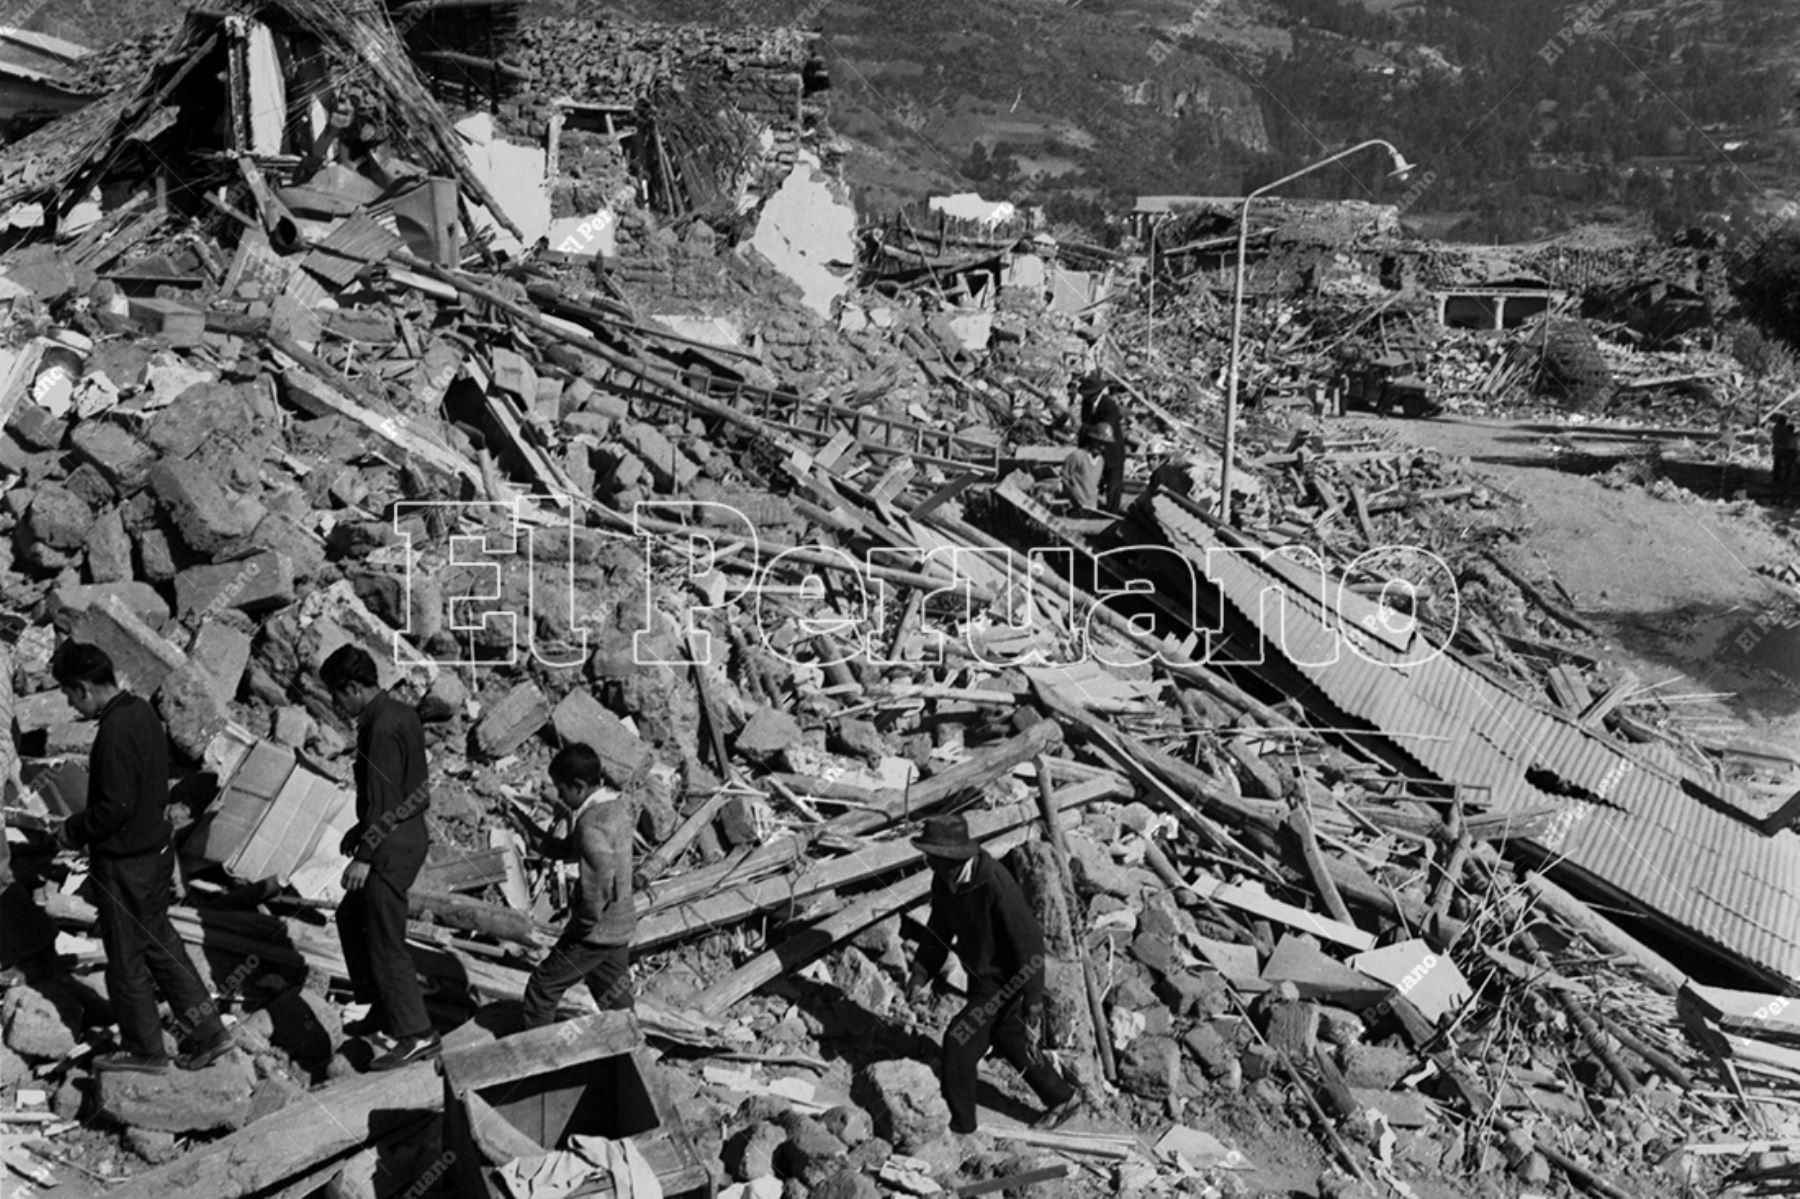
1100,406
978,909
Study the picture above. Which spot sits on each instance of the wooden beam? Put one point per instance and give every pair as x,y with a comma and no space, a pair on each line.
1065,885
331,1122
1655,969
712,911
536,1051
810,943
1299,823
980,768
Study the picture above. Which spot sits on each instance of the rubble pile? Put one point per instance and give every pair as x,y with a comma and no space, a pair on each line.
797,584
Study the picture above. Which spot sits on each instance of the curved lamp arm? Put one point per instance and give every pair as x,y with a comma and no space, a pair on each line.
1401,168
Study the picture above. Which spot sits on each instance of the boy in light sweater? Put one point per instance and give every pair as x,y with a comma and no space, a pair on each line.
596,944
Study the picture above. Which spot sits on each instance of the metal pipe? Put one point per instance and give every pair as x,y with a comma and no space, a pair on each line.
1401,167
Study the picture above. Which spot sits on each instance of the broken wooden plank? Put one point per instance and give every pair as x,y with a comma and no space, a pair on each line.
801,948
1538,596
1048,803
1749,1012
708,911
312,393
333,1122
1299,823
1258,902
467,872
1602,707
1657,970
173,321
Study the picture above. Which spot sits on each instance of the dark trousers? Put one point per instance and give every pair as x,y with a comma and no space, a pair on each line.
144,956
371,924
1000,1022
607,969
1112,476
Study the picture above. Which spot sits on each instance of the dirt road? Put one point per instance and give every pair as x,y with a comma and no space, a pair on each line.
1672,580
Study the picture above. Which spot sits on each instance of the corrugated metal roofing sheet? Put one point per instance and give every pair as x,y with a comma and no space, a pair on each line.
1706,872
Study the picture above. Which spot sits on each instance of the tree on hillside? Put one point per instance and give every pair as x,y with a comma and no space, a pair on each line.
1766,278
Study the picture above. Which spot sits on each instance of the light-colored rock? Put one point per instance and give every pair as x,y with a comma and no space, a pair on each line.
906,1103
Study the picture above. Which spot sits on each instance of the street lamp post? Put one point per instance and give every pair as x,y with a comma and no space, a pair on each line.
1401,168
1150,315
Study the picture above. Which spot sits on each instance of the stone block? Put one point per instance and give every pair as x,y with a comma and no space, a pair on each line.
72,739
1299,960
193,707
849,1124
87,482
1150,1067
210,519
43,710
223,652
672,470
1216,1055
109,550
905,1102
141,656
140,599
512,373
36,428
281,533
810,1153
160,554
750,1153
1294,1028
1376,1066
215,1098
512,720
291,726
768,733
121,458
256,584
613,407
38,1027
59,518
13,1068
623,755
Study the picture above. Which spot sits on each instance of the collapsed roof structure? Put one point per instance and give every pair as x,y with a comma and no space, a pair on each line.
571,412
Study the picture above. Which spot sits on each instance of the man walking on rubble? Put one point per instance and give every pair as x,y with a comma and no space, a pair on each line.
387,849
126,832
978,909
1100,406
596,944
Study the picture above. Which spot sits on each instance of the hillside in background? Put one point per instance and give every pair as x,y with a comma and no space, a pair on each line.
1525,117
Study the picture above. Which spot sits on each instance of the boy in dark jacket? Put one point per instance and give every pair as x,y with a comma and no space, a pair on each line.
596,944
126,832
387,850
978,909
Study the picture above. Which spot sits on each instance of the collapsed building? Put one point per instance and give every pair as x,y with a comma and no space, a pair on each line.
545,361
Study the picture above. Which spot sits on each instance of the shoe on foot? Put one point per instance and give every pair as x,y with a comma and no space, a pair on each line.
138,1063
1061,1114
202,1056
408,1050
